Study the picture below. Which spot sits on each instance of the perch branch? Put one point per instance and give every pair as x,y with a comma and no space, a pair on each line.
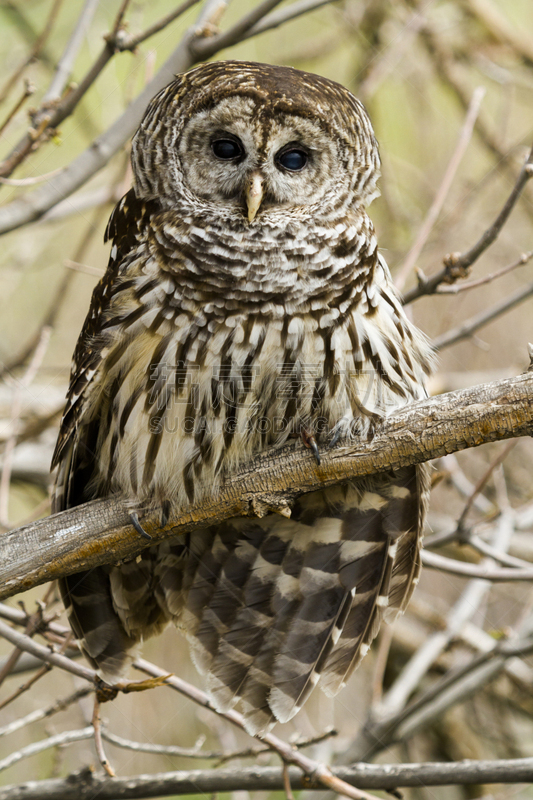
101,531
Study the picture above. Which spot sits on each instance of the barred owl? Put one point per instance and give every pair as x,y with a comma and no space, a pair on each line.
245,303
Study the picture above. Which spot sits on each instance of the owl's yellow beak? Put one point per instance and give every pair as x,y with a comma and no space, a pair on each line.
254,194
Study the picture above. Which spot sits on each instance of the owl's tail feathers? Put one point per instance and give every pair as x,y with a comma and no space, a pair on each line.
279,606
403,521
110,611
101,635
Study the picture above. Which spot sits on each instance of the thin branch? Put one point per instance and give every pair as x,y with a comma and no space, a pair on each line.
51,114
97,732
463,141
56,303
46,654
86,785
457,265
66,62
480,485
16,409
492,276
445,67
460,613
36,49
283,15
206,47
25,686
101,531
382,731
29,89
502,558
454,567
131,42
472,325
457,685
30,181
60,739
44,713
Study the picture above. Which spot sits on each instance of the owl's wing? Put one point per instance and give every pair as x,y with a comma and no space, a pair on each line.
91,605
75,452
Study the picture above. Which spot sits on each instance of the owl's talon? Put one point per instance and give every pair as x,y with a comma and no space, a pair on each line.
335,438
137,525
165,513
309,441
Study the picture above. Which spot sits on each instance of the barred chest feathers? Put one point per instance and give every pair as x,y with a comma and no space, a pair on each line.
206,367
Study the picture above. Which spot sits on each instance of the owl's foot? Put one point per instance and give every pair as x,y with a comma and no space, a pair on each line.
309,441
137,525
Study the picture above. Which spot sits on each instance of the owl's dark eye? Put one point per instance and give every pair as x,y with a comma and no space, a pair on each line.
292,158
227,149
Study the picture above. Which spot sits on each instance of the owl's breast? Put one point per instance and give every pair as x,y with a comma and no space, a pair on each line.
190,394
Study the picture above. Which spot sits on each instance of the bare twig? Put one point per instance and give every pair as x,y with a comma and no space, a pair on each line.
482,482
317,772
206,47
502,558
451,565
456,288
131,42
29,181
472,325
16,409
461,612
57,301
25,686
457,265
36,49
99,745
44,713
283,15
445,67
442,192
60,739
66,62
29,89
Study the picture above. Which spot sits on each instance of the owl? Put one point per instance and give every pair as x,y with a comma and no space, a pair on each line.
245,304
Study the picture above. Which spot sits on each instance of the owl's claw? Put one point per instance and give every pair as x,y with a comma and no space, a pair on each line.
137,525
309,441
335,438
165,513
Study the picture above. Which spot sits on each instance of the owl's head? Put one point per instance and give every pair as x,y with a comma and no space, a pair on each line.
250,141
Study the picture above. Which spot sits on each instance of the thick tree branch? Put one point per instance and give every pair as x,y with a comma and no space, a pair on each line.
101,531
